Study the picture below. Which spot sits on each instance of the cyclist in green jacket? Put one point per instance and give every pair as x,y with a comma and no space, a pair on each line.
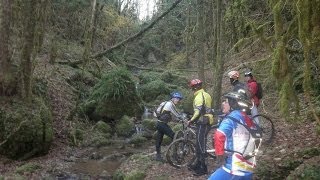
203,118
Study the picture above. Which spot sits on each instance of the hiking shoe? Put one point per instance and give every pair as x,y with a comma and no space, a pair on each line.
159,158
200,173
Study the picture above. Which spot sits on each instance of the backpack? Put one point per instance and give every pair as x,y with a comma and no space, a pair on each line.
162,116
259,91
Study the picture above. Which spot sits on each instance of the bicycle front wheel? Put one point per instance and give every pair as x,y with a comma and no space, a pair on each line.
181,153
266,124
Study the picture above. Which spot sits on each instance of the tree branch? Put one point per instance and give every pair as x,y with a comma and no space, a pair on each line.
140,33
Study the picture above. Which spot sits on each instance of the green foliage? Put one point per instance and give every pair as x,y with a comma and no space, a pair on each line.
115,91
28,168
153,89
118,175
149,124
125,127
138,139
103,127
76,136
26,128
135,175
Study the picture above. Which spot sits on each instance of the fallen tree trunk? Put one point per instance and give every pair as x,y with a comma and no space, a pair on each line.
137,35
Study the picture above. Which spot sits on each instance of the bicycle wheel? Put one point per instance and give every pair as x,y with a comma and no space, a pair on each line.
181,153
209,145
266,124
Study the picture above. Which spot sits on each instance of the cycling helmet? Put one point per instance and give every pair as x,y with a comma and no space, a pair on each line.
195,84
234,74
176,95
238,101
248,73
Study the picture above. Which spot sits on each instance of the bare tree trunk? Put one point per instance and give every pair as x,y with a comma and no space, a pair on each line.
218,66
5,73
201,39
89,35
27,49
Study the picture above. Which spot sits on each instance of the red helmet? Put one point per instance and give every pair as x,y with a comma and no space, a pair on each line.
195,83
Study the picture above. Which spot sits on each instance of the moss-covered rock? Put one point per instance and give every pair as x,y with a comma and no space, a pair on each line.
125,127
149,124
153,89
138,139
26,129
114,96
28,168
103,127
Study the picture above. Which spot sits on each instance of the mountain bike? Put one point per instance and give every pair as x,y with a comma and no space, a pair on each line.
265,123
181,152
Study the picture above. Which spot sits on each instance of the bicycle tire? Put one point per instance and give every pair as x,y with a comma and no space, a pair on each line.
181,153
210,151
266,124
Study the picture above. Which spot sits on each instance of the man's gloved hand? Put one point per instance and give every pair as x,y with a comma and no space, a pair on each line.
221,159
189,122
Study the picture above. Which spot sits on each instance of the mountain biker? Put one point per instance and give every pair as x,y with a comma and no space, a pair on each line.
164,114
203,118
231,140
253,89
237,85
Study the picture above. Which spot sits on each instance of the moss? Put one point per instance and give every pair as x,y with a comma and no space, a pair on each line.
149,124
76,136
138,139
103,127
118,175
136,175
115,91
152,90
125,127
26,128
28,168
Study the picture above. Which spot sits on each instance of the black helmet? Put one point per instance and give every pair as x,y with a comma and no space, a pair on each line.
238,101
248,73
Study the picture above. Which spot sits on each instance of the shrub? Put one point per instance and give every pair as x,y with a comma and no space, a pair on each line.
26,128
125,127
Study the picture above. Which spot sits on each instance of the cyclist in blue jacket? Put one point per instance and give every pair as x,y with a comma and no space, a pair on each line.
231,140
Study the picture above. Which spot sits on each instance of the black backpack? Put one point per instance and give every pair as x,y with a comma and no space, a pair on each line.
259,91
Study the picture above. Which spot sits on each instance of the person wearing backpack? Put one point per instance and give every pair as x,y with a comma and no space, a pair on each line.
253,88
237,85
232,140
203,118
164,114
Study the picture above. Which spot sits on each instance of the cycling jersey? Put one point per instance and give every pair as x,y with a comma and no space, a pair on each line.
201,99
231,139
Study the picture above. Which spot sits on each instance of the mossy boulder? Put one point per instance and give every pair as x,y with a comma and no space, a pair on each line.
114,96
103,127
150,91
28,168
26,129
125,127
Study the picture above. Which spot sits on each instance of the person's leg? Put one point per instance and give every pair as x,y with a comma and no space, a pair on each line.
159,140
201,140
168,131
254,111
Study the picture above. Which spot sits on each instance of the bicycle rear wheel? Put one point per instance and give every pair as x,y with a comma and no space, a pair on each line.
266,124
181,153
209,145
